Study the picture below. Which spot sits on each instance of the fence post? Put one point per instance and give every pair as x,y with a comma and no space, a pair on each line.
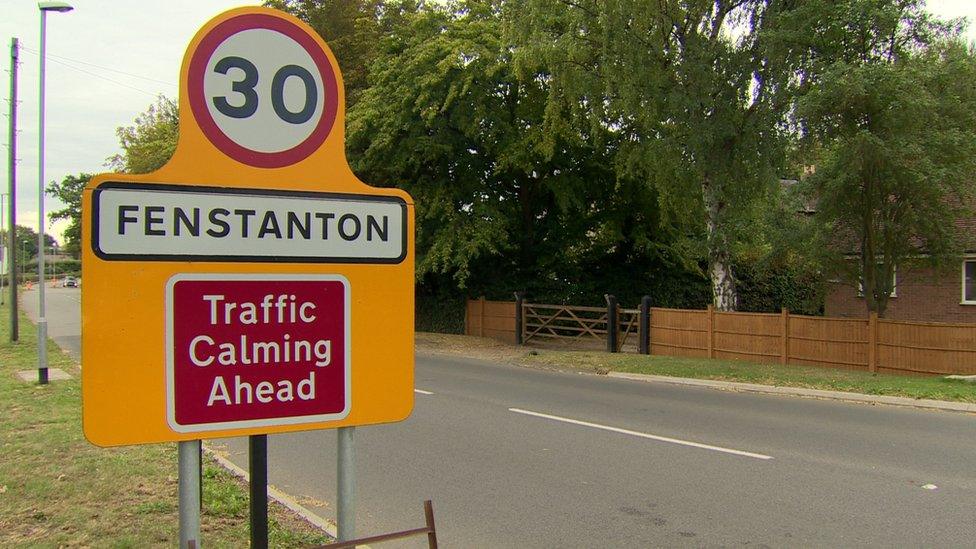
519,318
785,347
481,324
645,325
711,331
611,323
873,342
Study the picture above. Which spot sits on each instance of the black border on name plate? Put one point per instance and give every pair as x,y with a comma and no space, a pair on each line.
241,258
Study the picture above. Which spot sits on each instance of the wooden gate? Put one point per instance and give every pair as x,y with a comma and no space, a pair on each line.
571,323
628,322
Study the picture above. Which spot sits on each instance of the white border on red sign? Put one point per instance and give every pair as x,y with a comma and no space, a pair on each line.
244,424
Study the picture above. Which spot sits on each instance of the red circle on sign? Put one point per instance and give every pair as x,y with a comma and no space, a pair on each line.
198,101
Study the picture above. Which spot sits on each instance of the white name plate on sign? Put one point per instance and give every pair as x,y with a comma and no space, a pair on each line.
133,221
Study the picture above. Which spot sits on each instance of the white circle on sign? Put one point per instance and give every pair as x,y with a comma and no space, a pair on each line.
263,90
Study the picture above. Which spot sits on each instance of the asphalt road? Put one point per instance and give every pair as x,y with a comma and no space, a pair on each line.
62,307
840,474
513,457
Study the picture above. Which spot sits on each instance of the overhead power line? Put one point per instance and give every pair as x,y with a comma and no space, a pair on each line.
104,68
58,60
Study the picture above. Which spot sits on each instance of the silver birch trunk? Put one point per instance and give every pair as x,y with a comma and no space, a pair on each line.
724,296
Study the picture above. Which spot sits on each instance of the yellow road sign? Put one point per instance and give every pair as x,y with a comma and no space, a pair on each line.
253,284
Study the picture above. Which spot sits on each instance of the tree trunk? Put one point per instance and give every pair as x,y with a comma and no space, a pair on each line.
724,295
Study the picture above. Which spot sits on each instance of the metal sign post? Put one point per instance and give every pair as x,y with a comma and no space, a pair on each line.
189,494
257,466
346,488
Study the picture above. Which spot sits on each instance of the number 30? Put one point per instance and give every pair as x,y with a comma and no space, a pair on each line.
245,87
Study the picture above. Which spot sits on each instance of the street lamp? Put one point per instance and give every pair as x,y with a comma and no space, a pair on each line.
44,7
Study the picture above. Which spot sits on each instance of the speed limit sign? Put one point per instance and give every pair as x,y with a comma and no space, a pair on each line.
253,284
262,90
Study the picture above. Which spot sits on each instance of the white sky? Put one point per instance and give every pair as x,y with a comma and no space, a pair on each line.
102,40
122,53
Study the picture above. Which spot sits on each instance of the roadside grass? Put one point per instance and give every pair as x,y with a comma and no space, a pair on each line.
57,490
917,387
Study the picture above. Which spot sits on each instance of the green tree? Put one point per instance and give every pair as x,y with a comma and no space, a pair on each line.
149,143
69,192
689,92
448,119
25,243
352,30
896,159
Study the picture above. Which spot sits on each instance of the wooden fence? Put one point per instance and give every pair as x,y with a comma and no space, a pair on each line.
494,319
868,344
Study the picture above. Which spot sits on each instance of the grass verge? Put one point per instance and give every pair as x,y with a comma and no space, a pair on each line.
917,387
57,490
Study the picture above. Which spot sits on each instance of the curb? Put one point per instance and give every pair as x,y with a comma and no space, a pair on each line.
905,402
277,495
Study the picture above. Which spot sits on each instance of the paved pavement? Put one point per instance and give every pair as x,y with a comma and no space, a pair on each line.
515,457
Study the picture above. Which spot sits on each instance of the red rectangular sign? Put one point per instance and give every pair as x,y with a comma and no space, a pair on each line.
256,350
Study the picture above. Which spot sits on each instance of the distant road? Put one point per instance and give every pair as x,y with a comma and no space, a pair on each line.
514,457
63,311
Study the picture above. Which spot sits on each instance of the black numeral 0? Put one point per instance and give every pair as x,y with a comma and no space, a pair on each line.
246,86
278,94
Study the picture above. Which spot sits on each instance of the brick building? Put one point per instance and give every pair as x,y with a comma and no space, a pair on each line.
921,293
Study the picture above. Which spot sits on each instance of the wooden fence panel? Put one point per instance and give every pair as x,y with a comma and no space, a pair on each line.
926,348
492,319
679,332
756,337
830,342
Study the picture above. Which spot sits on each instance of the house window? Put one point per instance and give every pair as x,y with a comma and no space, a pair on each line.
969,282
894,285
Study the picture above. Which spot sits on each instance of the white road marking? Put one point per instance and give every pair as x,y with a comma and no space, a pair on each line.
422,392
641,435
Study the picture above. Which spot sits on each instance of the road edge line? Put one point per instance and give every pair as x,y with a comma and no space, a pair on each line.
277,495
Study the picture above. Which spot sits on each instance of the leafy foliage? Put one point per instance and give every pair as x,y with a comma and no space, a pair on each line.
575,149
892,128
350,27
503,204
150,142
685,90
68,191
25,243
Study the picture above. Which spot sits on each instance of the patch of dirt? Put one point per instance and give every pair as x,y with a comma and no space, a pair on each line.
540,356
467,346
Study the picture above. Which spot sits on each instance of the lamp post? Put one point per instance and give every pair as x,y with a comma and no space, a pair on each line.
44,7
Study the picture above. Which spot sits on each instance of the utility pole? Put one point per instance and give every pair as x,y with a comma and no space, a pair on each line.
12,191
3,246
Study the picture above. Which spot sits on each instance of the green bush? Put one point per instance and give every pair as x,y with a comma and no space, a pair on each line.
763,289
